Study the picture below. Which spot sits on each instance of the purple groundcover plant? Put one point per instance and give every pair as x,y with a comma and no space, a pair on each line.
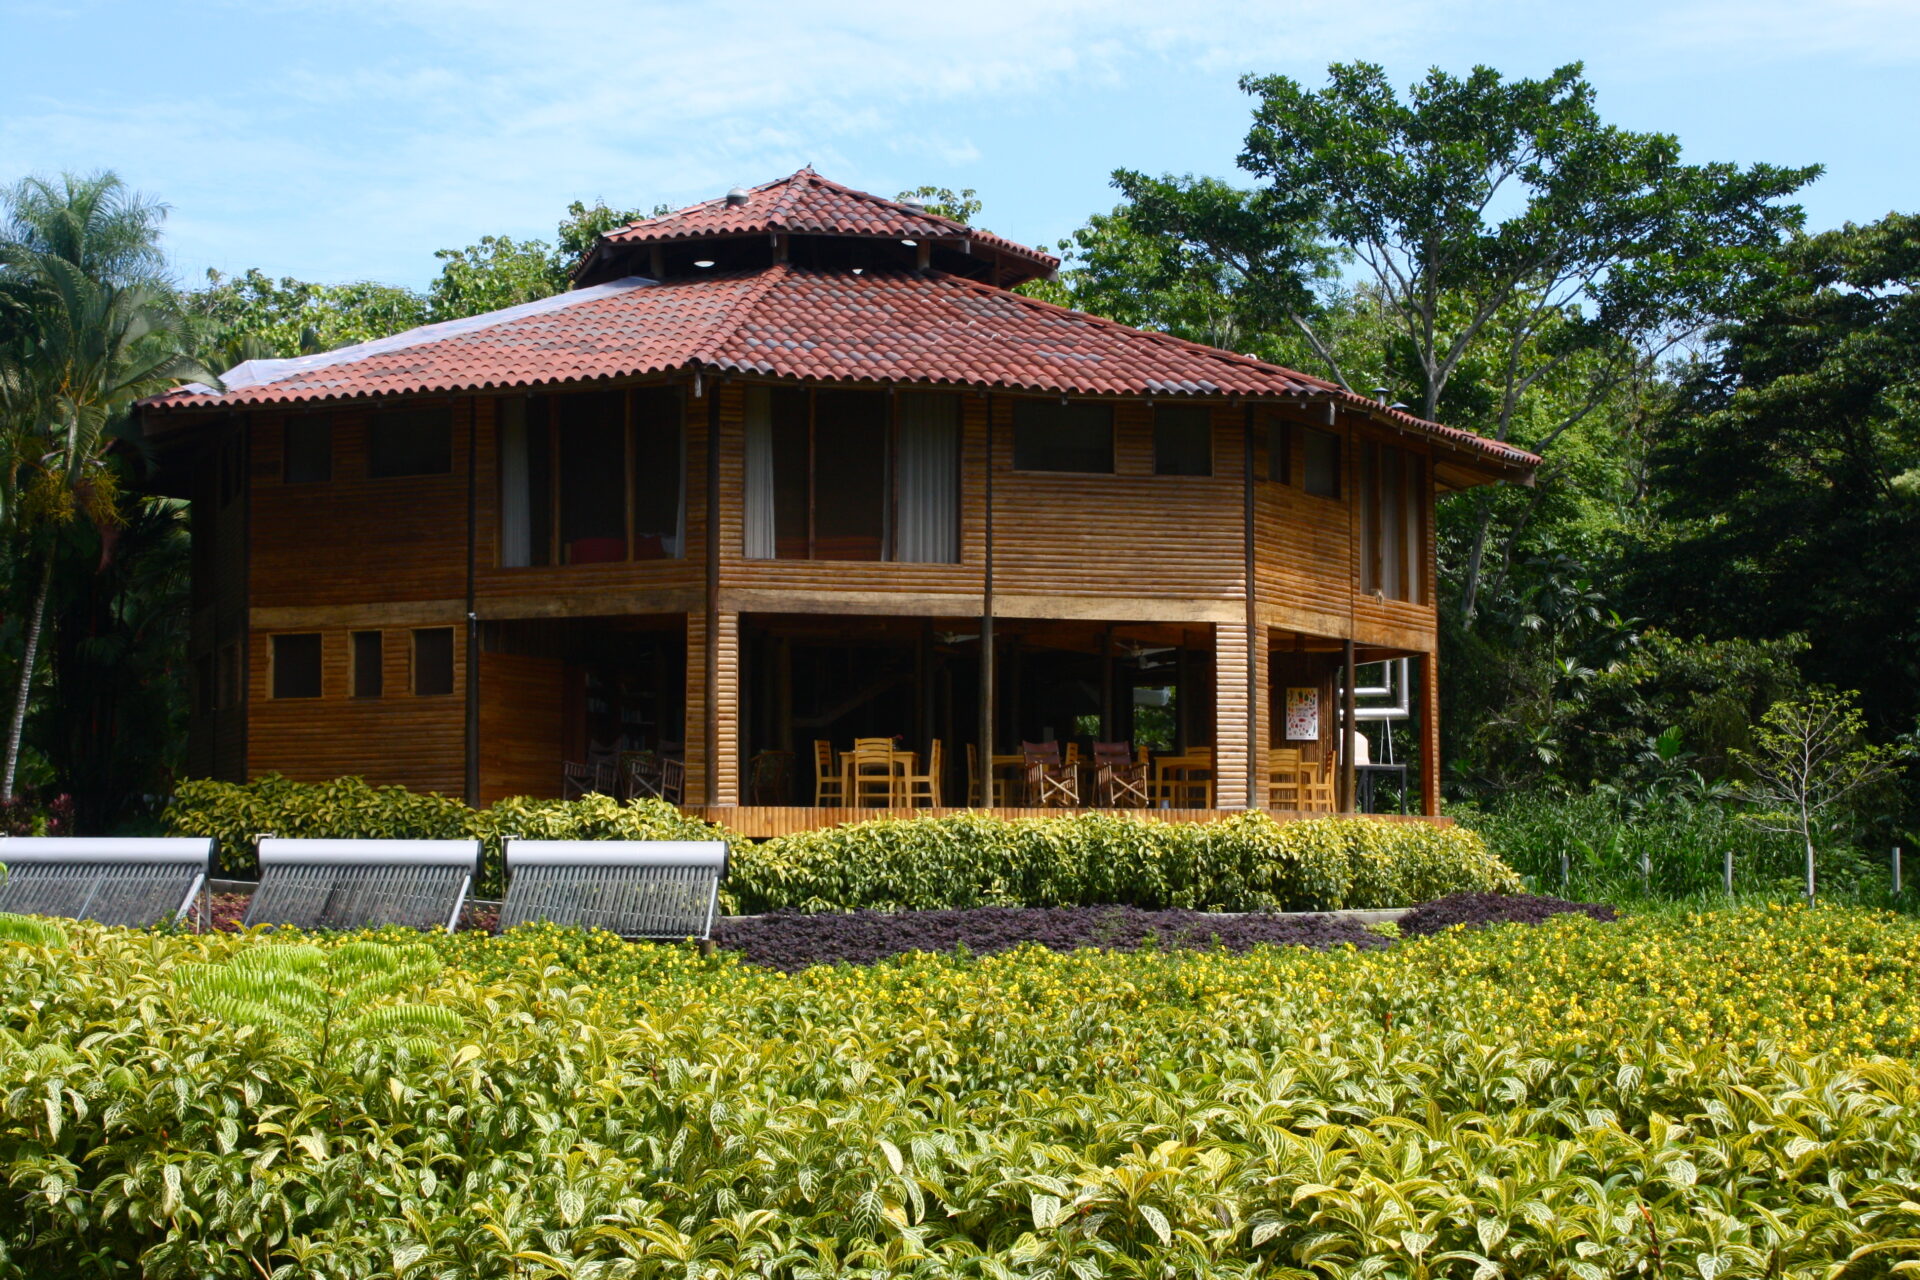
1476,909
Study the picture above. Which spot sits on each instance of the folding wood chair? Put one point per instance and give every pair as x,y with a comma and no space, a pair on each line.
1119,780
1051,782
915,787
578,779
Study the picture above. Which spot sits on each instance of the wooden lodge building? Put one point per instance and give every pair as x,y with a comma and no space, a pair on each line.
794,465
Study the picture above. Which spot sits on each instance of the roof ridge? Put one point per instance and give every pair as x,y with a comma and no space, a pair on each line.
920,211
784,203
728,324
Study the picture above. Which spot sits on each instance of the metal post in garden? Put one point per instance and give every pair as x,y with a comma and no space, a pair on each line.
1896,871
1646,872
1726,872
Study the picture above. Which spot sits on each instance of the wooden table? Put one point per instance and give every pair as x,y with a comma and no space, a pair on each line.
1013,785
1174,785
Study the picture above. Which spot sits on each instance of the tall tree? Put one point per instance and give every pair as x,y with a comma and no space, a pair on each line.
89,328
1502,224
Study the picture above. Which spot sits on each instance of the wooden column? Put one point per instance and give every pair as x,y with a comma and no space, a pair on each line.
1429,675
986,625
1347,727
1256,692
473,616
713,709
1231,682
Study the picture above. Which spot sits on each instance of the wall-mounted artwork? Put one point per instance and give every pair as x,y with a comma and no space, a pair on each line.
1303,715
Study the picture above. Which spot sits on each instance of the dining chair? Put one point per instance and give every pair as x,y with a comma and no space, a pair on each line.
829,787
915,787
871,781
1284,768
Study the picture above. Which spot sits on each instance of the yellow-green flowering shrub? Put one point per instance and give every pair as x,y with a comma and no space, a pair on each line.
1731,1094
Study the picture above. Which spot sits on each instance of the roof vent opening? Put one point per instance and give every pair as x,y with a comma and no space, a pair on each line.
737,196
1381,394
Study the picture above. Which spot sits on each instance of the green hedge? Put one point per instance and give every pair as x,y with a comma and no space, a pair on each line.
1243,863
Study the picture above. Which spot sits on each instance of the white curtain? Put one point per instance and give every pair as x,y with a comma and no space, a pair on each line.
759,512
927,424
516,526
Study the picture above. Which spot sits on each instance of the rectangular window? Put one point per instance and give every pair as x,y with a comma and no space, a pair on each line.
658,476
592,441
1075,436
410,442
849,475
1321,474
368,678
433,661
296,666
1182,440
1279,451
306,449
1393,498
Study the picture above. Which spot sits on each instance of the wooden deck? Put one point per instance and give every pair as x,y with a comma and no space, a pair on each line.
762,821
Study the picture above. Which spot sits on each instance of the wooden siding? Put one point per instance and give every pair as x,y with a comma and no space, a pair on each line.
721,752
1230,722
399,738
521,729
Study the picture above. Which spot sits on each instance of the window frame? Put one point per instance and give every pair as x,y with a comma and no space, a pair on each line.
1338,444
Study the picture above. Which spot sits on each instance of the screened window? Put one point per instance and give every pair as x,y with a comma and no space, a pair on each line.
852,475
1320,474
368,678
1182,440
593,476
1279,451
433,661
1393,505
296,666
410,442
306,449
1075,436
658,474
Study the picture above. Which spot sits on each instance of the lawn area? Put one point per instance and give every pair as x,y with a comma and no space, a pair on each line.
1727,1094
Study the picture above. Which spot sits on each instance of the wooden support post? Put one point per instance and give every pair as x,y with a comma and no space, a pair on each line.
1231,654
1348,728
713,709
472,780
1256,689
986,624
1429,670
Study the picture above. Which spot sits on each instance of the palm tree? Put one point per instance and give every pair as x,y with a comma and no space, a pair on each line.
87,326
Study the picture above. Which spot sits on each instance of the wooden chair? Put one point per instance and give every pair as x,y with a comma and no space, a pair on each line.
915,787
870,780
1284,768
767,776
1119,780
1051,782
673,780
829,788
998,799
1317,787
578,779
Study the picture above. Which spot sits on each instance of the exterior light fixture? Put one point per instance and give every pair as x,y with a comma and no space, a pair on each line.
704,262
859,271
910,243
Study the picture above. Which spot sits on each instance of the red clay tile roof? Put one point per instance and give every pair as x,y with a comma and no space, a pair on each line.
788,322
808,204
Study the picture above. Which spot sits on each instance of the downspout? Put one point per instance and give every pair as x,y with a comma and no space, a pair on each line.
712,709
473,617
1256,644
986,627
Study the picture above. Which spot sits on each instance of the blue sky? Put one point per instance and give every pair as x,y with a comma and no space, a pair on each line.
348,139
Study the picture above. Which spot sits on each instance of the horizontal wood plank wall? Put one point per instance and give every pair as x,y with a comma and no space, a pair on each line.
587,590
353,540
1303,547
1132,533
1230,716
760,822
396,739
697,756
520,729
726,745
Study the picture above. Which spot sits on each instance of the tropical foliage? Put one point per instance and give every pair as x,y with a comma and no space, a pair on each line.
1728,1095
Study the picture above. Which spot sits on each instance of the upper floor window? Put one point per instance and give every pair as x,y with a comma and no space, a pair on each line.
852,475
1049,435
1320,462
369,680
433,661
591,477
1393,509
410,441
306,449
1182,440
